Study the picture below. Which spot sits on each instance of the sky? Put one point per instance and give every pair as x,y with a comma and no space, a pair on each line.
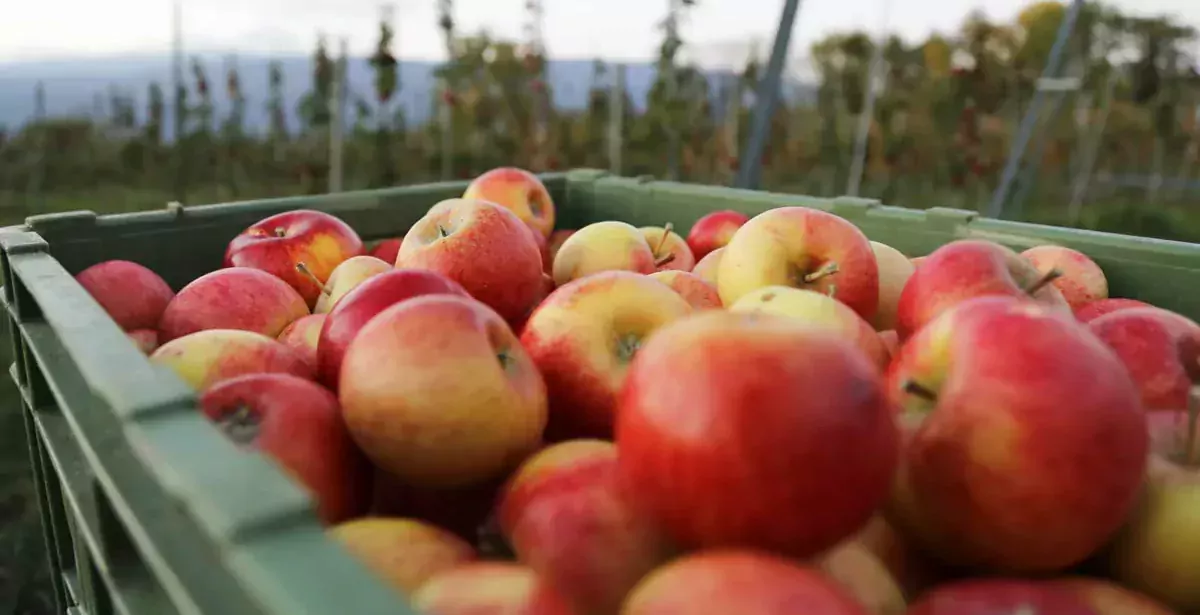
614,29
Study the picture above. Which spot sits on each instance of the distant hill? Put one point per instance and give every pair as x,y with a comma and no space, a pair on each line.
72,85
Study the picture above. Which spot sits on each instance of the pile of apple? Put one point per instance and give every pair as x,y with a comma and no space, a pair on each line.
772,416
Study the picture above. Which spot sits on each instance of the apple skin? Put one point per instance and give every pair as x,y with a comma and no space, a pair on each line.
714,230
303,335
566,516
683,426
864,577
462,510
912,568
1150,342
134,296
410,407
1158,550
570,338
603,246
387,249
519,191
962,270
1030,454
723,582
362,303
350,273
698,293
917,260
1091,311
553,245
482,246
297,423
489,588
894,271
233,298
278,243
669,249
1001,596
709,267
205,358
145,339
1108,598
404,552
1082,280
780,246
816,310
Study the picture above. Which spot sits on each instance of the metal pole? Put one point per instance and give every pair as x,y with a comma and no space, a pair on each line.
867,114
337,125
1025,131
616,118
1028,176
750,170
1079,189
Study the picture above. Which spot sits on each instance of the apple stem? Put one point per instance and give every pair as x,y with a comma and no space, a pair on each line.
825,270
664,260
240,425
1191,456
662,241
1046,278
442,232
280,231
912,387
312,277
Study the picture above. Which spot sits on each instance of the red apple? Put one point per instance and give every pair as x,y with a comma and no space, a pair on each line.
489,588
296,246
1081,282
462,510
699,294
234,298
1091,311
671,252
387,250
582,338
803,248
1001,596
966,269
519,191
602,246
566,516
717,417
362,303
714,231
297,423
302,336
483,247
205,358
133,296
1108,598
725,582
404,552
438,391
1027,441
1150,342
146,339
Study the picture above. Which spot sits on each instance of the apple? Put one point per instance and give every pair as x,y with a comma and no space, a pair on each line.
439,392
724,582
145,339
566,516
894,271
296,246
387,249
891,341
553,245
1150,342
909,566
362,304
603,246
234,298
917,260
1158,550
462,510
709,266
864,577
718,416
205,358
1027,441
134,296
816,310
698,293
1001,596
541,241
1091,311
582,338
804,248
483,247
352,272
714,230
297,423
1108,598
404,552
519,191
671,252
489,588
1081,281
966,269
302,336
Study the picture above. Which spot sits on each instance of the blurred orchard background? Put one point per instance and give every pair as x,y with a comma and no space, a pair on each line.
917,121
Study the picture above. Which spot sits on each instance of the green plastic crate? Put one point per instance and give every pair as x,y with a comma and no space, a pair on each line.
148,510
